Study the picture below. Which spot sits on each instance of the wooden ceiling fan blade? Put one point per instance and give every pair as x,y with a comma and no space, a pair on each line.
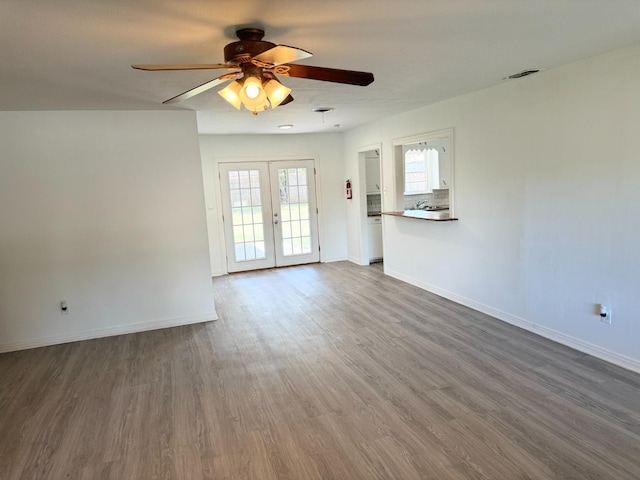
282,54
199,89
188,66
324,74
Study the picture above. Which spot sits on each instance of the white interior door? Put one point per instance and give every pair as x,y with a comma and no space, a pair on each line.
269,214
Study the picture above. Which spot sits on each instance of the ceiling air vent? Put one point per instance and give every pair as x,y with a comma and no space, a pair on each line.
521,74
323,109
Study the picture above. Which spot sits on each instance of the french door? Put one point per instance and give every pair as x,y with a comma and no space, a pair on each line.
269,214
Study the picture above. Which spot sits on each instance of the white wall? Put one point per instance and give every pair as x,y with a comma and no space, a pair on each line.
327,151
547,171
104,210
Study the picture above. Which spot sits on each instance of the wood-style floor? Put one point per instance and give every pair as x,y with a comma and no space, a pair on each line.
329,371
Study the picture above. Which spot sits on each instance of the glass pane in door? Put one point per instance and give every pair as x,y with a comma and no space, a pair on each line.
294,207
246,212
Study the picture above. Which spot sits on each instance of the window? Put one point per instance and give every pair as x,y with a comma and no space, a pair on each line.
246,209
421,169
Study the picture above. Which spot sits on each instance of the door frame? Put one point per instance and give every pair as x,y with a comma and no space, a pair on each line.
215,202
362,200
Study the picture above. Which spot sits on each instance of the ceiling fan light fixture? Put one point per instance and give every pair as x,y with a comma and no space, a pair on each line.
276,92
253,95
256,104
231,93
258,108
251,88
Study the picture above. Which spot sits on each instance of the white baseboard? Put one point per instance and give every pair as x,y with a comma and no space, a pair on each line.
357,261
322,260
559,337
107,332
333,259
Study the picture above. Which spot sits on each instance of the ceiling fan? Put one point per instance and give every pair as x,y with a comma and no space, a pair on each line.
253,64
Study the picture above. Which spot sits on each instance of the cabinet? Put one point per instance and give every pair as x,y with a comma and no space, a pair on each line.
444,168
375,238
372,166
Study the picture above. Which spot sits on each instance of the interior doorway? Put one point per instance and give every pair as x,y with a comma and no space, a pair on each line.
373,192
269,214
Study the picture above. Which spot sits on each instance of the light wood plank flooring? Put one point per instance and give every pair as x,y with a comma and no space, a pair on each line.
329,371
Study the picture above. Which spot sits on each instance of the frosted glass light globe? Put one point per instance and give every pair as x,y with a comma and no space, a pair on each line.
252,91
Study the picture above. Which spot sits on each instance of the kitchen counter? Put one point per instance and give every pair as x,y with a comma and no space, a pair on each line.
434,216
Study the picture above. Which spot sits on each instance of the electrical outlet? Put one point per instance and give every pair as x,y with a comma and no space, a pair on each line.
605,314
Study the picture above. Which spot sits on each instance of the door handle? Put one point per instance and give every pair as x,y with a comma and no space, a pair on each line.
276,222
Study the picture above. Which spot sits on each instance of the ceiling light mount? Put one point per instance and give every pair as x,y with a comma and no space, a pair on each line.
249,45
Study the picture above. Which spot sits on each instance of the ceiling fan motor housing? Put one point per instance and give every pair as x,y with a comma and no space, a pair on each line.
249,45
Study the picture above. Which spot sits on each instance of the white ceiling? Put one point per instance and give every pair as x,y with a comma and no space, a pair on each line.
76,54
